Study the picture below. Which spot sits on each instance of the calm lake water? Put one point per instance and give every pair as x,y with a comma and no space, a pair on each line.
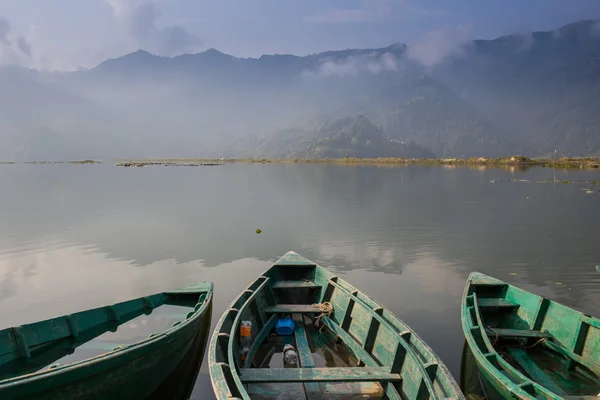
80,236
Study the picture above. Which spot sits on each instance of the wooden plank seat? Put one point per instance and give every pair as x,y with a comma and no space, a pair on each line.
293,308
339,374
517,333
327,391
294,284
491,302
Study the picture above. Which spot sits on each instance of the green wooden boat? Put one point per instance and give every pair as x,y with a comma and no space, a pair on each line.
355,349
526,346
106,352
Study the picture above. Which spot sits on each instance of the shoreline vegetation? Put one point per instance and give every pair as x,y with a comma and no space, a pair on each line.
52,162
512,161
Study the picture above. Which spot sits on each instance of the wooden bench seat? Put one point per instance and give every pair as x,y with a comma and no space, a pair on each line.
492,302
522,333
293,308
294,285
349,374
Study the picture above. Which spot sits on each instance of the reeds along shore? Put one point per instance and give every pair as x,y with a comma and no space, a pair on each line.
520,161
512,161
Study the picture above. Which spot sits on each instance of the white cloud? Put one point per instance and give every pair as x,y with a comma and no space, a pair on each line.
389,62
142,20
527,41
596,28
372,63
440,44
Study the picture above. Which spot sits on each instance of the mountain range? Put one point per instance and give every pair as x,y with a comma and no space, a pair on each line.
527,94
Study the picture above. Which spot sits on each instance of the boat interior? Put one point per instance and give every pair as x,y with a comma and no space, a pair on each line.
63,340
355,349
543,341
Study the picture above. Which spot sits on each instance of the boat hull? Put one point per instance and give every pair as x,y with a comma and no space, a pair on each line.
491,388
527,346
135,372
180,383
386,357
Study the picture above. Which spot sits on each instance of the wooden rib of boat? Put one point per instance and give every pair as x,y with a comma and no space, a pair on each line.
529,347
359,350
100,353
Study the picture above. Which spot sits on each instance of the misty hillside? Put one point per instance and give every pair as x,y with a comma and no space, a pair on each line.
543,88
353,136
526,94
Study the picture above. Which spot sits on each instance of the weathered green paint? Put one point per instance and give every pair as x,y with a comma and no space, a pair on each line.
496,303
516,333
293,308
363,374
389,352
363,355
535,372
131,371
294,284
554,350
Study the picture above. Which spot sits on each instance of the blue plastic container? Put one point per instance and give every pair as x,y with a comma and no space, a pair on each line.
285,326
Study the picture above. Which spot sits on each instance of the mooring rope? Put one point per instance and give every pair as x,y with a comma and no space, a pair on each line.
542,340
496,333
326,310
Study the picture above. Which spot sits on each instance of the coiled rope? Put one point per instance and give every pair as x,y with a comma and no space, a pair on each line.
326,310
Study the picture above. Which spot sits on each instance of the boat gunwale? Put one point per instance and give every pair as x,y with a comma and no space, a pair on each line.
236,320
212,346
449,384
483,362
118,351
490,368
429,382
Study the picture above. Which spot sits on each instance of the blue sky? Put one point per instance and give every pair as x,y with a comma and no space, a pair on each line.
64,34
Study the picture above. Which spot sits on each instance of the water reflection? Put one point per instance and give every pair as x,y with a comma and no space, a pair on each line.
74,237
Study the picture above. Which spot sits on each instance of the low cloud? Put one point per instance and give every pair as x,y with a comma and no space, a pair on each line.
439,45
596,28
4,30
527,41
524,39
14,49
141,18
24,46
373,63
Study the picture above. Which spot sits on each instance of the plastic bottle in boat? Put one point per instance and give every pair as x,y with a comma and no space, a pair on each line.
290,356
245,338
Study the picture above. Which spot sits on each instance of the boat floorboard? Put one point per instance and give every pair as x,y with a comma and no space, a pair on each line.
536,373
